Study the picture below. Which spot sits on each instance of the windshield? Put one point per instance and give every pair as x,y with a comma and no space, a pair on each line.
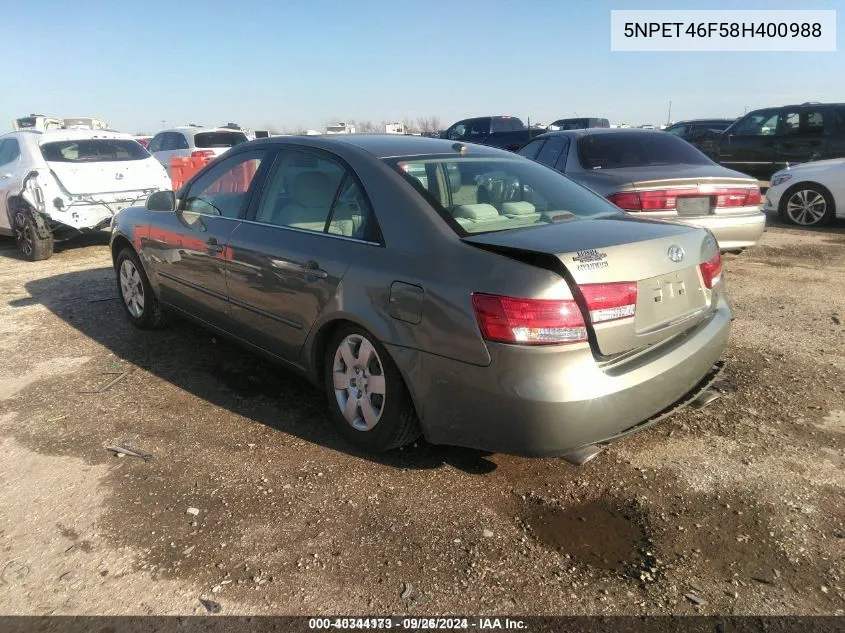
482,195
100,150
219,139
637,149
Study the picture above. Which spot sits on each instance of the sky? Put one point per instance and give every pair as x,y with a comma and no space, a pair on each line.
295,64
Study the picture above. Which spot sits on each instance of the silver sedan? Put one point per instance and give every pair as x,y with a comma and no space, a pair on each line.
430,287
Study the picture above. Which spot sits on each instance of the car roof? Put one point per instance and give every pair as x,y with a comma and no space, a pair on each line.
387,145
600,130
198,129
720,120
806,104
80,134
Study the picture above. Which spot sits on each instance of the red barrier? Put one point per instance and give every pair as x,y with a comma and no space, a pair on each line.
181,169
236,180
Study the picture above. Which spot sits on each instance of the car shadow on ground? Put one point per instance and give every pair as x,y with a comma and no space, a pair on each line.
836,226
219,371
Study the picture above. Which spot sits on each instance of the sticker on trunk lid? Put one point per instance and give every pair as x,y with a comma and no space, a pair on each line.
590,259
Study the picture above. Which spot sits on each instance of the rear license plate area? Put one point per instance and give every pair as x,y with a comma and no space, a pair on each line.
668,298
690,206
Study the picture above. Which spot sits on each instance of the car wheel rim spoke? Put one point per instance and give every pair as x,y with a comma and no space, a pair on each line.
376,385
365,353
369,413
359,383
350,410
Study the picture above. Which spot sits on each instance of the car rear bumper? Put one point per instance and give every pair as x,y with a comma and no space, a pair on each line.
84,215
734,231
543,401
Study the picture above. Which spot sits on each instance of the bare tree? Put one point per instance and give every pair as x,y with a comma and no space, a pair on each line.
424,124
410,128
365,127
435,123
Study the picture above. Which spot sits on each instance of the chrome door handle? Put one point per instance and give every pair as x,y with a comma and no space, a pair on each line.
312,269
213,245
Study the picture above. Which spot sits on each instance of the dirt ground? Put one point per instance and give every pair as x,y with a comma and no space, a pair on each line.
252,501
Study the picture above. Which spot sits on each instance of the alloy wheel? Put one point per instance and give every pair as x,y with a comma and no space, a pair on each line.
806,207
132,288
359,382
23,234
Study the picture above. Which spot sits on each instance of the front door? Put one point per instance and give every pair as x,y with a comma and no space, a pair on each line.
189,248
749,145
291,253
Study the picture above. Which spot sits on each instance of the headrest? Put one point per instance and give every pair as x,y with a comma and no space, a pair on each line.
454,176
517,208
312,189
476,211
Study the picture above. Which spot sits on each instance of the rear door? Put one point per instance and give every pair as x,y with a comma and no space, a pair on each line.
749,146
190,249
801,135
10,178
311,220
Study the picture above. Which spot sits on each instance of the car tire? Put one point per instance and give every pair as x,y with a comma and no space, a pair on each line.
369,400
32,235
137,297
807,204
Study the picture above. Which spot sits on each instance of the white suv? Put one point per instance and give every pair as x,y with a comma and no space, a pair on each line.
193,141
60,183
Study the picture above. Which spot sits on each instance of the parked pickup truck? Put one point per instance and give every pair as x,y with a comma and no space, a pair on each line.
505,132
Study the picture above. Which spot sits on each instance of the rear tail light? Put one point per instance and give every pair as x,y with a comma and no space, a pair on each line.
202,153
608,302
548,322
711,270
627,201
529,321
666,199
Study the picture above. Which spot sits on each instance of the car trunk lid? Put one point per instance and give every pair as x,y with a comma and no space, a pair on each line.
662,259
107,177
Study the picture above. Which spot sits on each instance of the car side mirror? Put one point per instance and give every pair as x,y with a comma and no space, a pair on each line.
161,201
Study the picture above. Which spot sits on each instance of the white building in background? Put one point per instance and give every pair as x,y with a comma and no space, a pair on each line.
43,123
340,128
312,133
395,128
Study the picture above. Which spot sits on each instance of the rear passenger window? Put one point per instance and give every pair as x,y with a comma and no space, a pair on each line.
801,123
9,151
156,144
313,193
554,149
532,149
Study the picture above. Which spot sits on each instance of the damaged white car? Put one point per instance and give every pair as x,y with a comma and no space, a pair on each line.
57,184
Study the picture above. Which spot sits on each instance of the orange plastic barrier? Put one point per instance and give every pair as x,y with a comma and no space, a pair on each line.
181,169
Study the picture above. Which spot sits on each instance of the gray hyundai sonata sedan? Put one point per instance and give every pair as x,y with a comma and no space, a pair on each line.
438,288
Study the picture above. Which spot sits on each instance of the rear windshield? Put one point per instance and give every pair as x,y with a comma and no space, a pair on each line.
570,124
483,195
219,139
637,149
100,150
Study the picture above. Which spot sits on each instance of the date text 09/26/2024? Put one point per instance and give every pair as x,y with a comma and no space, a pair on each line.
418,623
